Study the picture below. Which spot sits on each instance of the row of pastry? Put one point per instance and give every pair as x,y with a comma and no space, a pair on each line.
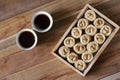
89,29
99,38
79,48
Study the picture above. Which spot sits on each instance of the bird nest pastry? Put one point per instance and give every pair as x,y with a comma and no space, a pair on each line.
85,40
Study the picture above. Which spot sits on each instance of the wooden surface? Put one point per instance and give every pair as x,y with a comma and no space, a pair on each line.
39,63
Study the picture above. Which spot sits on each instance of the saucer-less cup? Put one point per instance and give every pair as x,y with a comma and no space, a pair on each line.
26,39
42,21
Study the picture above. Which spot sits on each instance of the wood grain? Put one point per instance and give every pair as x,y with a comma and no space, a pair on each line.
10,8
61,72
15,60
8,46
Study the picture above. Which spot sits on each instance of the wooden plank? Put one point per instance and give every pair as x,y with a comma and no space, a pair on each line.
25,59
8,46
11,8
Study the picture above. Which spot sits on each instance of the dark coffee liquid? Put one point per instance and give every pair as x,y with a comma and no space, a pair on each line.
42,21
26,39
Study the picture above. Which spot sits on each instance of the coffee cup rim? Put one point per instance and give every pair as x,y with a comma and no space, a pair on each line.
39,13
35,37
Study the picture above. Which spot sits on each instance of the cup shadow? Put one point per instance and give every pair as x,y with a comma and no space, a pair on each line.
60,24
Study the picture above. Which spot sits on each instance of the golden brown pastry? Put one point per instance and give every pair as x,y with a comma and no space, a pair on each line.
69,42
72,57
76,32
99,22
82,23
106,30
87,57
80,65
99,38
90,15
79,48
85,39
92,47
64,51
90,30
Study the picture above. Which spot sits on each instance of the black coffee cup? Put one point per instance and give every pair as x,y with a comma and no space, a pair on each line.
26,39
42,21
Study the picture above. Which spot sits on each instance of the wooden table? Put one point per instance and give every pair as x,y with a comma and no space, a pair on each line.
39,63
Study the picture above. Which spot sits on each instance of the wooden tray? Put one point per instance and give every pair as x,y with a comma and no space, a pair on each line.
114,27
